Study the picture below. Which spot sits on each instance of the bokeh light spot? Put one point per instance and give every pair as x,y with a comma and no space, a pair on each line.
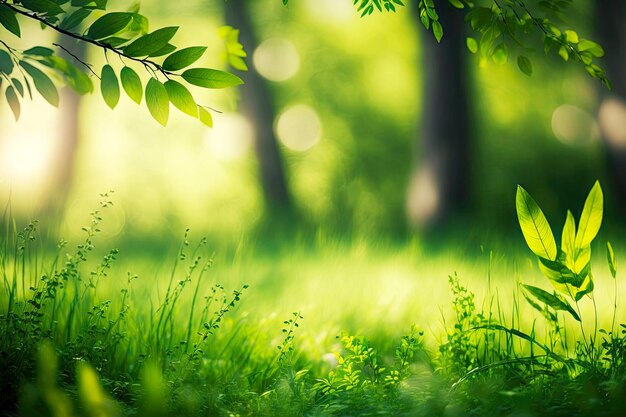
299,127
612,120
423,197
231,138
574,126
276,59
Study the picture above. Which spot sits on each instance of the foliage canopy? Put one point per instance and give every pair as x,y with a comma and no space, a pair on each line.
503,28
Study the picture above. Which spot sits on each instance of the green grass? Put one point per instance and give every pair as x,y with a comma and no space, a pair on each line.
320,327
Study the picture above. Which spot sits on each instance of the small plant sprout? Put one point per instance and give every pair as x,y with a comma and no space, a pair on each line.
568,267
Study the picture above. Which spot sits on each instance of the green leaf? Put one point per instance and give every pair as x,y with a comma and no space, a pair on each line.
43,84
558,273
75,78
571,36
109,86
535,226
553,300
501,54
109,24
205,116
587,287
545,311
132,84
163,51
610,257
13,101
18,86
564,53
437,30
237,62
91,4
39,51
525,65
181,98
591,217
472,45
74,19
6,63
592,47
114,41
157,101
43,6
568,236
210,78
151,42
139,25
9,21
456,3
183,58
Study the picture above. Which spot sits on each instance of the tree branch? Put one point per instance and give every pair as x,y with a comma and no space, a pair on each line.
145,61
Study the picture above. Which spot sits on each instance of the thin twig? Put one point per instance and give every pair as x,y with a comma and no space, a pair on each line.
86,64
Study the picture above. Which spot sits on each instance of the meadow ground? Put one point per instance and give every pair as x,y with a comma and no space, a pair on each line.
316,326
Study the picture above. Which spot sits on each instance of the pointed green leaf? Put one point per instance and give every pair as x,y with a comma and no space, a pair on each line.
472,45
9,21
6,63
43,84
592,47
553,300
557,272
151,42
74,19
591,217
437,30
205,116
168,48
75,78
39,51
610,257
132,84
183,58
535,226
543,310
210,78
109,87
587,287
525,65
568,237
13,101
43,6
181,98
500,54
108,25
157,101
18,86
91,4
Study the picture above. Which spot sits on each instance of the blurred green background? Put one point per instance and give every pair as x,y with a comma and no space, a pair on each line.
346,103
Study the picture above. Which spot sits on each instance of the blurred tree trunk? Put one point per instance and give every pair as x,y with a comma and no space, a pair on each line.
62,167
258,107
611,29
440,185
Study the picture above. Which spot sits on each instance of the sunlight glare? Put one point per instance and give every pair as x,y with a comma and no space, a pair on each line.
574,126
612,120
331,10
276,59
231,138
423,198
299,127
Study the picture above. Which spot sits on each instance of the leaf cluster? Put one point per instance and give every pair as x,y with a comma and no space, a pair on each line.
568,267
122,33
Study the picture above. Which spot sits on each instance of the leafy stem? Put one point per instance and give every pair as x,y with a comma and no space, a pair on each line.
105,46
